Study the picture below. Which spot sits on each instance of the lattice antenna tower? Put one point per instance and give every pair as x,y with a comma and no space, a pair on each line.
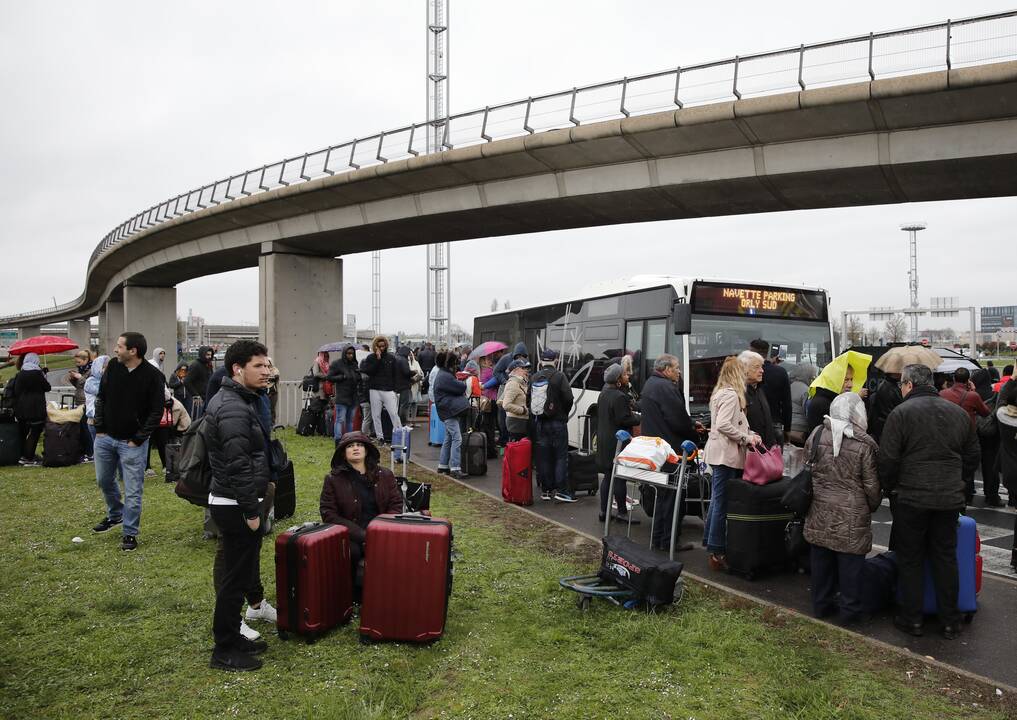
439,301
912,229
375,292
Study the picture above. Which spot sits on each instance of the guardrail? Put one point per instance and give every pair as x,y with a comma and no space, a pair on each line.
924,48
288,407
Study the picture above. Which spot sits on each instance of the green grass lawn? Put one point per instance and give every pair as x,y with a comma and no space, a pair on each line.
53,362
87,631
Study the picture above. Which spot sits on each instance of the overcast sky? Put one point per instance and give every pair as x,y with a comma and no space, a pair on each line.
110,107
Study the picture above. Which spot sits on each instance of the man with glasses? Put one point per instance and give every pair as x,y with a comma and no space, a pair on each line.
928,444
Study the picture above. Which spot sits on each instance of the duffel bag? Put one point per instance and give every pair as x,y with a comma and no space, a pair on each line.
639,569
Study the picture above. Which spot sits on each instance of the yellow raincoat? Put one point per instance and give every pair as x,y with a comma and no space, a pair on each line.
832,377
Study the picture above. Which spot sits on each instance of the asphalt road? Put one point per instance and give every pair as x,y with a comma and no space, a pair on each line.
985,647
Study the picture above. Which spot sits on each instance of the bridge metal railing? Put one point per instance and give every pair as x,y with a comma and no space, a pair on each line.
945,45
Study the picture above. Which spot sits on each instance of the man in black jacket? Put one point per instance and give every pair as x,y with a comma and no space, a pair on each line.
884,400
196,380
128,408
928,444
240,460
614,413
663,415
550,404
380,368
777,388
344,374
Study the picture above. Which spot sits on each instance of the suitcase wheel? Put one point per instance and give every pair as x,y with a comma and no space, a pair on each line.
283,635
591,493
968,617
311,639
583,602
366,640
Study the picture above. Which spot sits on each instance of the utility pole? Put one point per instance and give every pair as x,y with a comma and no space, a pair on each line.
439,299
912,230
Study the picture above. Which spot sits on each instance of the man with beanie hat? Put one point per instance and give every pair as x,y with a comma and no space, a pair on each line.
550,404
614,413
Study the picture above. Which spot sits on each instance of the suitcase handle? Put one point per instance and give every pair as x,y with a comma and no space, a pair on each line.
412,517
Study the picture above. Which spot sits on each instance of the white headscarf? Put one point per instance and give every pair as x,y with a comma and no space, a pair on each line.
31,362
847,417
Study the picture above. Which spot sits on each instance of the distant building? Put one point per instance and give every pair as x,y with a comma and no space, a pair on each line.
998,317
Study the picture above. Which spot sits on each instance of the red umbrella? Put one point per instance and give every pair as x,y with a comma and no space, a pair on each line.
42,345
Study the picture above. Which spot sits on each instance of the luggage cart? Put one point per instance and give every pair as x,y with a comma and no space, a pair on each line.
676,481
592,586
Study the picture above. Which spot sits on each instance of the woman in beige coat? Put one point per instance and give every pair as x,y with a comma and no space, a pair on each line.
725,452
845,493
513,400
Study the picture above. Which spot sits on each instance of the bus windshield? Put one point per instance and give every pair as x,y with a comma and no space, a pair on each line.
714,338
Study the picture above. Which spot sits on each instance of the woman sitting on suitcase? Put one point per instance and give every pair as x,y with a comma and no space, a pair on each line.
356,491
845,493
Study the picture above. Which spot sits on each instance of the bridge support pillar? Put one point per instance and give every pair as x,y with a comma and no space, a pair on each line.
111,324
300,306
80,331
152,311
27,331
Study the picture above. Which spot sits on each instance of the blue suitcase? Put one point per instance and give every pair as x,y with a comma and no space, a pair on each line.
969,571
436,434
400,444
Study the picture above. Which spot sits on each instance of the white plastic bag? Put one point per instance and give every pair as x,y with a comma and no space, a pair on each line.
794,460
647,453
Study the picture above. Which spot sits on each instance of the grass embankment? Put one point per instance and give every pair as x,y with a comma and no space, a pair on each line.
89,631
52,362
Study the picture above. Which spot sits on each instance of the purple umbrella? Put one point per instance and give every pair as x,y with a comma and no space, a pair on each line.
487,348
333,347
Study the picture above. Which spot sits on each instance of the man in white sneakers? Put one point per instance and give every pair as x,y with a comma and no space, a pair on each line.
238,442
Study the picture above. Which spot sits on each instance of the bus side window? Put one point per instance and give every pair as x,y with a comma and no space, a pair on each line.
634,347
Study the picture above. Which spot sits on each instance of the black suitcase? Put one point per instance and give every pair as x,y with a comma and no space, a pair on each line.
879,583
285,492
697,488
10,443
756,520
582,473
310,419
61,444
582,463
474,453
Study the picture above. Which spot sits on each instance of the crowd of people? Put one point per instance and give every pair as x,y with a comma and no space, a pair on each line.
910,441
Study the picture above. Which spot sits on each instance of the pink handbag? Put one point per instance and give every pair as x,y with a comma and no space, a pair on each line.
762,467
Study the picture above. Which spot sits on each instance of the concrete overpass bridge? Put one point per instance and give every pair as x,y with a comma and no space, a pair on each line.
925,113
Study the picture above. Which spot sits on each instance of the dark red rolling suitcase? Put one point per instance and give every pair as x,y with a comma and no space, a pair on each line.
313,580
516,477
407,578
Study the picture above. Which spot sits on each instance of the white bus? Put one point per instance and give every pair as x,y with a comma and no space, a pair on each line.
699,321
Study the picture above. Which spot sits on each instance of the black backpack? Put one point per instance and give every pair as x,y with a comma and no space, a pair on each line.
194,472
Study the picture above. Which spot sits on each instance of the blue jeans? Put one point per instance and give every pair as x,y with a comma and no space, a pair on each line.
552,452
715,531
109,455
452,447
343,420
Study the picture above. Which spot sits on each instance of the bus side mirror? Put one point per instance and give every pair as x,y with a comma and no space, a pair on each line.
681,318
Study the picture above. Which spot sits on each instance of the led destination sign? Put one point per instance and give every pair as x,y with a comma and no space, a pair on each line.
758,301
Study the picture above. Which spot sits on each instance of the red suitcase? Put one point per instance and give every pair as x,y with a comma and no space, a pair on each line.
407,578
313,580
516,478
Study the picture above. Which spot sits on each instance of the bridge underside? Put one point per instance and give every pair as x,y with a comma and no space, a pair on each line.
939,136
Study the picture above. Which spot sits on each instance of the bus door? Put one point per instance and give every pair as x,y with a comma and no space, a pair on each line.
645,341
